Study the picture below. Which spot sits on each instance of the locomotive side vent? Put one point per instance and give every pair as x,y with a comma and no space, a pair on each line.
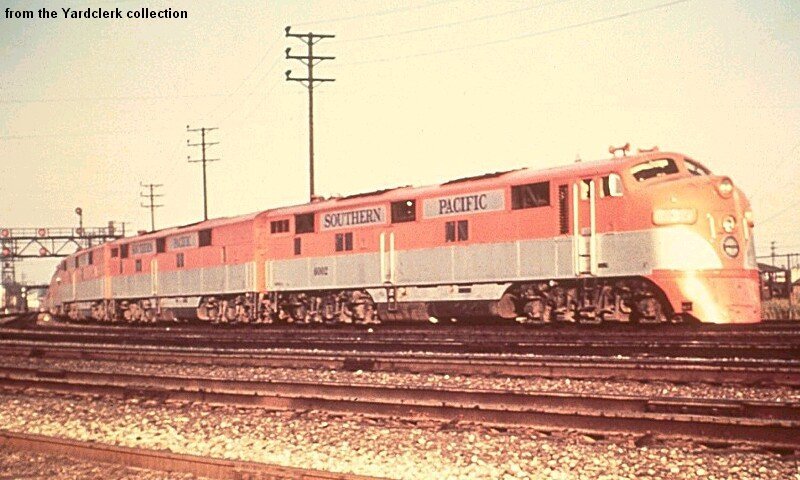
563,212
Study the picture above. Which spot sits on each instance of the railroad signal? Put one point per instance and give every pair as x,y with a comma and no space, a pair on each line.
79,212
43,252
41,232
5,233
6,252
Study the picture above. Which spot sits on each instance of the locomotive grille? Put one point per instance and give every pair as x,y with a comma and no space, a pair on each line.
563,212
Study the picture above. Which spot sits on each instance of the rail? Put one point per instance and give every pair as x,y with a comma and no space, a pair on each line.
735,371
771,424
207,467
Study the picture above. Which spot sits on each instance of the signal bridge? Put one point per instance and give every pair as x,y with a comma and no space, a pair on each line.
45,242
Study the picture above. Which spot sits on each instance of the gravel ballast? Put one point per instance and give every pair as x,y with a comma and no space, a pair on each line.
18,465
400,379
390,448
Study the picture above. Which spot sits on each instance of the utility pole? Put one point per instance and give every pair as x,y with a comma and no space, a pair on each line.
789,283
152,206
205,160
310,60
772,249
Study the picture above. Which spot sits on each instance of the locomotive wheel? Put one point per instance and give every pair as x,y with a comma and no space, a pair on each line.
537,310
327,310
230,314
168,315
300,313
648,310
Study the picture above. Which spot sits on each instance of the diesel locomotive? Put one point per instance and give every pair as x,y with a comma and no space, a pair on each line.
648,238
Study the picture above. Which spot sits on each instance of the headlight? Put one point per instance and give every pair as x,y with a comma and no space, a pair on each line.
731,247
725,187
728,224
672,216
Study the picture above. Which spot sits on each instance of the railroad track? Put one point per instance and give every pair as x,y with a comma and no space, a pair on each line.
494,327
720,345
772,424
738,371
17,320
164,461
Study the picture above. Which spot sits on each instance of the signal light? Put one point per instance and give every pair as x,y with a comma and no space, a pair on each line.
6,252
41,232
5,233
728,224
43,251
725,187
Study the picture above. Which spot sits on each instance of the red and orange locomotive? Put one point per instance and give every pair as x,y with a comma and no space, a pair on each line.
653,237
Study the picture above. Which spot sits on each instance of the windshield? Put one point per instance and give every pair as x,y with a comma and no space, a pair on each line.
695,168
654,168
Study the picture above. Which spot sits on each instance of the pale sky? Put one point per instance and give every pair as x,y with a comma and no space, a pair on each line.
425,91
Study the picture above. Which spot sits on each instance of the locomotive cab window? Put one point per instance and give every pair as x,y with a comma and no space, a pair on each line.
204,237
695,168
304,223
612,186
279,226
586,185
404,211
654,168
531,195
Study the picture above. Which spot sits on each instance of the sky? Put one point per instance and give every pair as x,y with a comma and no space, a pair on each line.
425,91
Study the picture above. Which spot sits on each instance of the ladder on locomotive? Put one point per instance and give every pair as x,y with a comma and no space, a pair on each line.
388,261
584,236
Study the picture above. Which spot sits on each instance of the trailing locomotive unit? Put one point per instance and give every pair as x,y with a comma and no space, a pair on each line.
653,237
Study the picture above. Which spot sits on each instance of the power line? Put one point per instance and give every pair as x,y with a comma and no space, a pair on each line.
452,24
203,144
257,104
778,214
538,33
76,134
247,77
108,99
152,206
309,60
255,88
775,169
375,14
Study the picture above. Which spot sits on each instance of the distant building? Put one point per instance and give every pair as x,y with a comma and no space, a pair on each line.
774,281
